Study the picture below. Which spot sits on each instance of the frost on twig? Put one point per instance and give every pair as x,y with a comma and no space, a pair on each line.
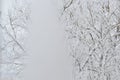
93,35
14,31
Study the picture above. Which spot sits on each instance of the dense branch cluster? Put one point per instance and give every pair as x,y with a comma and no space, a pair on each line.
14,32
93,34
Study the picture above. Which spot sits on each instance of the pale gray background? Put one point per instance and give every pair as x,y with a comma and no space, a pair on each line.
49,59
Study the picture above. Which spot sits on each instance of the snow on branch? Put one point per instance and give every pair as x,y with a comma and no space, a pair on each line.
93,36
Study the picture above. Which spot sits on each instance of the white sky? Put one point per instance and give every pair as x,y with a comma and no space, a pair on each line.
49,59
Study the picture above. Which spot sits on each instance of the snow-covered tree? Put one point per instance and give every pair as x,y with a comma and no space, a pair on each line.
13,26
93,35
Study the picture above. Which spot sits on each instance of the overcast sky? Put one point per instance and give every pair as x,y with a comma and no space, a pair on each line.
49,59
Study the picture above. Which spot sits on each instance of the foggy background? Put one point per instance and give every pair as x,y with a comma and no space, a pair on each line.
48,58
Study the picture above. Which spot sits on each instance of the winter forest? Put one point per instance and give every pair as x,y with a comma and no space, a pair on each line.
93,37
